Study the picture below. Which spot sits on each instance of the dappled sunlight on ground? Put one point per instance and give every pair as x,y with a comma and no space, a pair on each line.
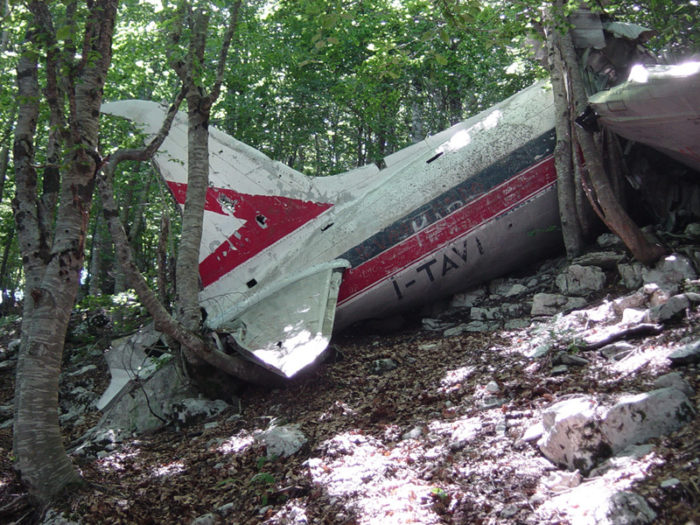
378,479
439,439
117,460
176,467
236,444
651,358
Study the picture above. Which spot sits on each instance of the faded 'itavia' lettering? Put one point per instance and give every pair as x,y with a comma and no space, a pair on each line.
435,268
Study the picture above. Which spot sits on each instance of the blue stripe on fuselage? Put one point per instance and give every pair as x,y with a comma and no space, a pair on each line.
453,199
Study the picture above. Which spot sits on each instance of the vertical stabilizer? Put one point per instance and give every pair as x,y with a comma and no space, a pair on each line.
252,202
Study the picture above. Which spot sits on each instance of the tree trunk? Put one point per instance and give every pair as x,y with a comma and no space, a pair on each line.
192,217
563,158
4,157
612,213
162,260
53,274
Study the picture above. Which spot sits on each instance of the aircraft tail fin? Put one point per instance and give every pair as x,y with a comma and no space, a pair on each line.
252,201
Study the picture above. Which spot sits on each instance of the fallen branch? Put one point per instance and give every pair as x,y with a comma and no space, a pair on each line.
632,331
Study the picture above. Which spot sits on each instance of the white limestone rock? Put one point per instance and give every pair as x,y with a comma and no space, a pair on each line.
552,304
686,355
637,418
577,279
631,274
669,273
282,441
624,508
571,436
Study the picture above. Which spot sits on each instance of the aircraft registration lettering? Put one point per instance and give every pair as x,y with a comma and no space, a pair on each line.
426,270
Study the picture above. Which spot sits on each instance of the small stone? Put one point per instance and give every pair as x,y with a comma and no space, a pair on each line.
670,483
692,230
624,507
561,481
282,441
205,519
574,360
492,402
631,274
540,351
509,511
414,433
635,300
552,304
674,380
602,259
433,325
381,366
457,330
579,279
516,289
469,299
617,351
533,432
686,355
676,305
559,370
609,240
485,314
516,324
13,346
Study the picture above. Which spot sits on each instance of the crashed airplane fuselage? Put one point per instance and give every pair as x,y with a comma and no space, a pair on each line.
286,258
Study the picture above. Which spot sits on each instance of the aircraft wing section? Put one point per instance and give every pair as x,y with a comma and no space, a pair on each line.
286,326
658,106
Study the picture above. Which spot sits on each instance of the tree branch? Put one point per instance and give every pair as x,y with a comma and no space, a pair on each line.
223,54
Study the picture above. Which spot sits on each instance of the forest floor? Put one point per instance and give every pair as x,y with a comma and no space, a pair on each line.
415,444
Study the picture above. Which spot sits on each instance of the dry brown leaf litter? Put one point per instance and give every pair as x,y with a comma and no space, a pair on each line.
412,445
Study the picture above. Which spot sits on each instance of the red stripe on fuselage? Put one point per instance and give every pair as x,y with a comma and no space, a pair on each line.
268,219
499,200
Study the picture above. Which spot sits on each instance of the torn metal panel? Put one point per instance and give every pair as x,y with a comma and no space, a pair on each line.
128,362
629,31
287,326
658,106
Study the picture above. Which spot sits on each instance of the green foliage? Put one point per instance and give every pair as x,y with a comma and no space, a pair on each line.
8,320
123,309
439,493
262,478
